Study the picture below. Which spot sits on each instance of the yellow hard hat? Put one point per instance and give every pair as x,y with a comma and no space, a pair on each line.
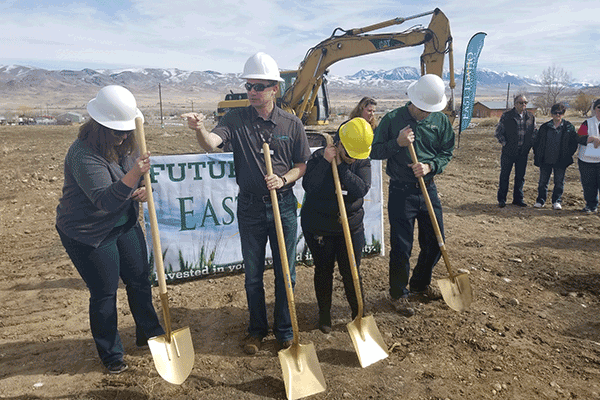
357,135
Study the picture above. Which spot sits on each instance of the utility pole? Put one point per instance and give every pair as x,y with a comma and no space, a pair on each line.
507,95
160,102
192,105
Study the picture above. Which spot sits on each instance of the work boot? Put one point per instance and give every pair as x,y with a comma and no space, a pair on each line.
251,344
325,322
403,306
430,292
285,344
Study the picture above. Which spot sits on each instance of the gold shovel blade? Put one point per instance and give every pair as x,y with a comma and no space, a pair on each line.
302,373
173,358
367,340
457,294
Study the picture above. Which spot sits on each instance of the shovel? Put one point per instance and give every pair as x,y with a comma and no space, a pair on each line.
455,289
302,373
367,340
173,352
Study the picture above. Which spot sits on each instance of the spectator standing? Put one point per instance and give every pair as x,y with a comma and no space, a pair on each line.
553,149
589,161
365,109
244,131
515,132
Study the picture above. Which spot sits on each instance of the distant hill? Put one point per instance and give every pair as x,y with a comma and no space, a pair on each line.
27,85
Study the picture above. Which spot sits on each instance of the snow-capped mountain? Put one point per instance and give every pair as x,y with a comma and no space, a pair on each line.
18,79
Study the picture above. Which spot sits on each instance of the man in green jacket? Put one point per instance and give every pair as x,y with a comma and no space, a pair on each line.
419,122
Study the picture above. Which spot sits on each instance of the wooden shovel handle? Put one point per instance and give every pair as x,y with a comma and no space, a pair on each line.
282,250
160,269
434,222
346,229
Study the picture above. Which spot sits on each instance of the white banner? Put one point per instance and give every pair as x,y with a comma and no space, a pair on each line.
195,197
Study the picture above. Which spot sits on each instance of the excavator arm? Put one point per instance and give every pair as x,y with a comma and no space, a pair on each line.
436,38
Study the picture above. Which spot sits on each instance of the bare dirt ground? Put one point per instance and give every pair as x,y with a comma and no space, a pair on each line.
532,332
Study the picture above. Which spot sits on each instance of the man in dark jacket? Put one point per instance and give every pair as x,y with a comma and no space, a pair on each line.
515,132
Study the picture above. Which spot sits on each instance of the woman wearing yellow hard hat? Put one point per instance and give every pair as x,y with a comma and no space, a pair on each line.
320,212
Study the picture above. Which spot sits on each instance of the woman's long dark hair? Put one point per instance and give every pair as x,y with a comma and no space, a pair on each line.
104,140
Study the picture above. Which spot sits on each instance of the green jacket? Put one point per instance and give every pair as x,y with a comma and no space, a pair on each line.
434,143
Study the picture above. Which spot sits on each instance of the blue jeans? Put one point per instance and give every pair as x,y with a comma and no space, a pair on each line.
506,165
256,225
122,254
590,181
559,183
406,205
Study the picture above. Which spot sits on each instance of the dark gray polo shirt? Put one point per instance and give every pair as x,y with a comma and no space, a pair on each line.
243,132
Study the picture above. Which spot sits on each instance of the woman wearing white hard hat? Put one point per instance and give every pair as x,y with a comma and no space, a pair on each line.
418,122
320,213
98,225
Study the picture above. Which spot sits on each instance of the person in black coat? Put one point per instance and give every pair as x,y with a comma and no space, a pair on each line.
320,214
553,150
515,132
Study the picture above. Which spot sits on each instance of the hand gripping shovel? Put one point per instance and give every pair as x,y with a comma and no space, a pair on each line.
367,340
302,373
455,289
173,352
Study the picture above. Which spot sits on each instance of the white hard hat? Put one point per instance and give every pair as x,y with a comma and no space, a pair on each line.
261,66
428,94
114,107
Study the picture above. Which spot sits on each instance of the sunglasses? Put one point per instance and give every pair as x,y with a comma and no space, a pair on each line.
557,113
259,87
522,102
120,134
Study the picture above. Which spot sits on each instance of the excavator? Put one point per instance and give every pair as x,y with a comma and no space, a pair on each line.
304,91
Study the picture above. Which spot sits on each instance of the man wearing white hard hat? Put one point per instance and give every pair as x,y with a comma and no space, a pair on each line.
244,131
419,122
97,221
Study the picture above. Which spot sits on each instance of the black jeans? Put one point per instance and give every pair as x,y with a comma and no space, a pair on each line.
325,251
590,181
506,165
122,254
406,205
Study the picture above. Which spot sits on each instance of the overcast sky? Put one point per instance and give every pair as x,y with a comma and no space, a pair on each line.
523,37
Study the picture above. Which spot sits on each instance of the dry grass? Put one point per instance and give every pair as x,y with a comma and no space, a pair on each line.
484,122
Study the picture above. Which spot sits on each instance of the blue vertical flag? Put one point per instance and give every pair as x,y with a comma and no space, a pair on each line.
470,80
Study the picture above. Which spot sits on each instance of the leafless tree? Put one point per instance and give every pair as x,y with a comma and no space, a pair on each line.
583,103
554,82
